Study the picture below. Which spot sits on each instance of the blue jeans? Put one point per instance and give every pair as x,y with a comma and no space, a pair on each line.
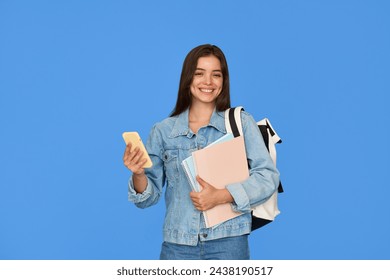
229,248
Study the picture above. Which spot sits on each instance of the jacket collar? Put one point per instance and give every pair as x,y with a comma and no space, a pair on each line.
181,126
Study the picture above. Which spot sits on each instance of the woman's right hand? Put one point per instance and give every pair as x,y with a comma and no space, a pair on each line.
133,160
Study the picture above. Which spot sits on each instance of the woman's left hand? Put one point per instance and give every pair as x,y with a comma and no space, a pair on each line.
209,196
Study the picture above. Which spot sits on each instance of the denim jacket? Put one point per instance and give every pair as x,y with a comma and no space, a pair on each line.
169,143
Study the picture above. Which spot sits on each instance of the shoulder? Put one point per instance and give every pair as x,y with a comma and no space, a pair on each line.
173,126
247,119
246,115
160,132
168,122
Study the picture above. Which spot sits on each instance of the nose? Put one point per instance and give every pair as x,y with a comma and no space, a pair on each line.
208,79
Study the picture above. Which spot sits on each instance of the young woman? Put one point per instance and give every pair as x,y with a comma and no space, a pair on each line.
196,121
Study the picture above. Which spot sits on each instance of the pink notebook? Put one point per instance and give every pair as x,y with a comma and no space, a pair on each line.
219,165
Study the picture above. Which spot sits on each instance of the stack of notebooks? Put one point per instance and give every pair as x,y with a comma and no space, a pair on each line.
221,163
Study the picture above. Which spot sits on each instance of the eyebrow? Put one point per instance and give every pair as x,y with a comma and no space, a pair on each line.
205,70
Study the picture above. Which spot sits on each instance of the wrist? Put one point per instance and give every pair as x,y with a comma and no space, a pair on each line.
139,175
140,182
225,196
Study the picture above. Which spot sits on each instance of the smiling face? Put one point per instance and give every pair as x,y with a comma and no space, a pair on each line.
207,81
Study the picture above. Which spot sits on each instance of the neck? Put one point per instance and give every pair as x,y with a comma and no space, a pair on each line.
200,113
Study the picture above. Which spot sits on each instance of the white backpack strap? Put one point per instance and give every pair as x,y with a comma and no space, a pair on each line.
227,121
269,209
275,137
237,117
233,121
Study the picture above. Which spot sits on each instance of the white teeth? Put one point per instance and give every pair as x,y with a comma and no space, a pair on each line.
206,90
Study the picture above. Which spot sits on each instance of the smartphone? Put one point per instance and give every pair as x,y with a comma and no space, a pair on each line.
136,141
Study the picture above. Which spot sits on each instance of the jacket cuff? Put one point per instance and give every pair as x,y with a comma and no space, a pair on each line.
135,197
241,199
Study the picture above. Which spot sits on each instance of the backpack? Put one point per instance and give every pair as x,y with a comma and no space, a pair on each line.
266,212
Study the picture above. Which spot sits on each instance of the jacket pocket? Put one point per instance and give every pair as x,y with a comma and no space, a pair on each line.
171,162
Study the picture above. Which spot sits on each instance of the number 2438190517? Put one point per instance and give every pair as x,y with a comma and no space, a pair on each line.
241,270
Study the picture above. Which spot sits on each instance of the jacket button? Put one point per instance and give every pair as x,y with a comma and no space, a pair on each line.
205,235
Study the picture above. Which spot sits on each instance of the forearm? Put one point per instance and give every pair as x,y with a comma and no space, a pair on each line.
224,196
209,196
140,182
253,191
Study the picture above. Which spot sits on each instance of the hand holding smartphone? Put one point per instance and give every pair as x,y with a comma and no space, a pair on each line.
136,141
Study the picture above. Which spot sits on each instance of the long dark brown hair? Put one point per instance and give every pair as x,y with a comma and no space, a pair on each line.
184,96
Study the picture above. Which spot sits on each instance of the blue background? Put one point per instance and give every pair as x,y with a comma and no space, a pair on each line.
74,75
